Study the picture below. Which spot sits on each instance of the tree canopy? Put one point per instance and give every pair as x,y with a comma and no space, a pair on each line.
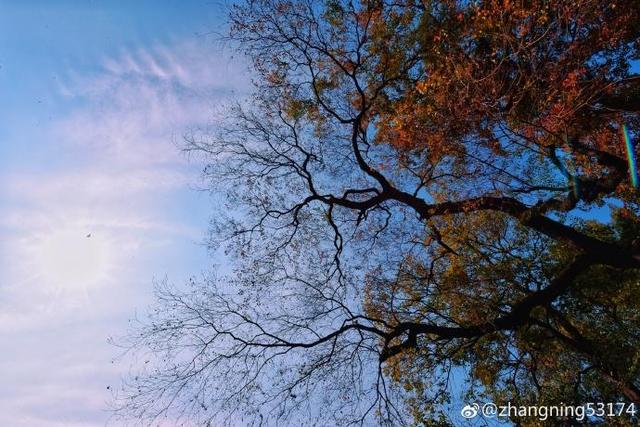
415,191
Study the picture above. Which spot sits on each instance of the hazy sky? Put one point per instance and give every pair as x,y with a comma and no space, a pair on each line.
95,198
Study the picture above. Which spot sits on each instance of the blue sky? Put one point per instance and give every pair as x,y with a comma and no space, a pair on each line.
96,200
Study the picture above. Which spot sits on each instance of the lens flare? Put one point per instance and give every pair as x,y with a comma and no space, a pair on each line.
575,185
631,156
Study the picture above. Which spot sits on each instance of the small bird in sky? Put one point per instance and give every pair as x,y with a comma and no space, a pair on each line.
88,235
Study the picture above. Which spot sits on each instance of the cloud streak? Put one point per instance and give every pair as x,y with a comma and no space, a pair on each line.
121,180
144,96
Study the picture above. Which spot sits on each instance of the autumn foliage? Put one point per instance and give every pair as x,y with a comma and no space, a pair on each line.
420,190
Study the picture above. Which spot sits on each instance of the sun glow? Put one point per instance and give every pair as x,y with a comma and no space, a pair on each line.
72,258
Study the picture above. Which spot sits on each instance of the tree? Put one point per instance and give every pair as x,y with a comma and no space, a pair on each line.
413,193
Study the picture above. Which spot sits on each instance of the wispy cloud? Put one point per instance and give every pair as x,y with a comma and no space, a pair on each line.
121,181
147,96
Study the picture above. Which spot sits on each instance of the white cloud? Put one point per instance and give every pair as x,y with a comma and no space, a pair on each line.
145,99
116,177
